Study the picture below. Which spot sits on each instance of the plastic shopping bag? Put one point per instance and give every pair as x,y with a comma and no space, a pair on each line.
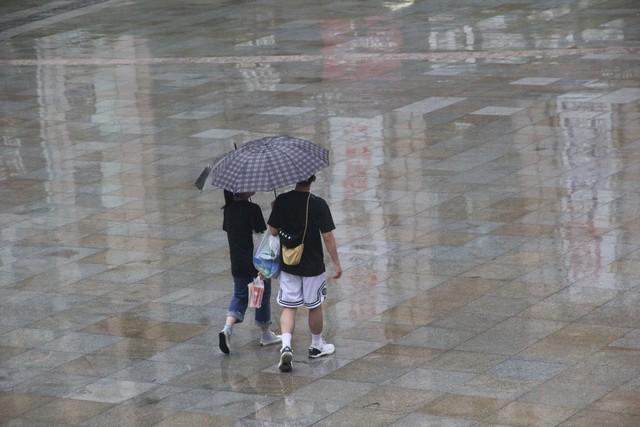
267,257
256,291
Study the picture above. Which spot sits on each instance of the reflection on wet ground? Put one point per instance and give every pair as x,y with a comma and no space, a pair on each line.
484,181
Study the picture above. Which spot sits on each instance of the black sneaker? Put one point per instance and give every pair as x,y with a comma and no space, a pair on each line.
286,360
324,350
224,341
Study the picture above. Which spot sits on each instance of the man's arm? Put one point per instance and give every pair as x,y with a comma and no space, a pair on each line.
330,243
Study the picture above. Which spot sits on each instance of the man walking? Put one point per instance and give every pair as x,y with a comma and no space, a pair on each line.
304,284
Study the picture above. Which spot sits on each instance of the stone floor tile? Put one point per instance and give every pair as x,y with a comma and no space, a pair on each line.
67,411
291,411
590,418
14,404
190,419
94,365
527,414
134,348
510,336
420,420
472,322
430,104
629,340
7,353
27,338
109,391
217,133
354,349
527,369
561,312
377,331
465,361
457,406
232,404
497,111
349,416
333,391
535,81
411,356
23,422
395,399
121,326
438,380
151,372
272,384
499,305
287,111
566,395
131,416
12,377
79,342
369,371
496,387
52,384
39,359
438,338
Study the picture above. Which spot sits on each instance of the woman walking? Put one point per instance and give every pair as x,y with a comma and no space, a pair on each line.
241,219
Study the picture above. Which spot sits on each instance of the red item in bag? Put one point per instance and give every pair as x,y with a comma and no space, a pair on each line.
256,291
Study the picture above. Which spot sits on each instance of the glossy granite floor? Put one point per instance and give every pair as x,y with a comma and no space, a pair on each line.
485,182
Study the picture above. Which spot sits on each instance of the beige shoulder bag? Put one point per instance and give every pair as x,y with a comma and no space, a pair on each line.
292,256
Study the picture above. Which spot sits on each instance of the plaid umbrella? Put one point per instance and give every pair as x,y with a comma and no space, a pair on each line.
268,163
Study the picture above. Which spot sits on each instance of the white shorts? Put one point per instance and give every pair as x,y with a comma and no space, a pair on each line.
298,291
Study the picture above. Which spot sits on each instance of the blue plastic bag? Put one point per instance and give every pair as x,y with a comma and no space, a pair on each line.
267,257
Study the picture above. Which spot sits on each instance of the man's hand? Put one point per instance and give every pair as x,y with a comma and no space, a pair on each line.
330,243
338,271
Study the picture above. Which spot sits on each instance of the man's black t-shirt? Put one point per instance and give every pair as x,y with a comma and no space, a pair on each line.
288,214
241,219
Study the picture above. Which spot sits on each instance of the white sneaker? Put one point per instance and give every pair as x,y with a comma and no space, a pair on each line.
270,338
224,341
324,350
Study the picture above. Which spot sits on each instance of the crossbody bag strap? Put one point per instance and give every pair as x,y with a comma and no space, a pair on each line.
306,219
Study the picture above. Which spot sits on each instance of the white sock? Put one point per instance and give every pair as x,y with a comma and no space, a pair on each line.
228,327
316,340
286,340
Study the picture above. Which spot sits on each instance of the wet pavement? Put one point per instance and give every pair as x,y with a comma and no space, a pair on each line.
484,180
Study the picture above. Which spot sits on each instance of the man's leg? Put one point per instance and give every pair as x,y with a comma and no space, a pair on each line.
287,325
289,297
314,295
316,320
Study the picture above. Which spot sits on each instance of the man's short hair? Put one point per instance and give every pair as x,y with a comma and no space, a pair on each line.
306,182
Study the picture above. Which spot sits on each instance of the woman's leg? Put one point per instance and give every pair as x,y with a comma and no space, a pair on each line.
235,314
263,314
263,318
240,299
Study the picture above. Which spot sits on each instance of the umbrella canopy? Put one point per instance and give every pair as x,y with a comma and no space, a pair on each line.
269,163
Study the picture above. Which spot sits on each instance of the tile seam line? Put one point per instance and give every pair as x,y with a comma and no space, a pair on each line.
425,56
